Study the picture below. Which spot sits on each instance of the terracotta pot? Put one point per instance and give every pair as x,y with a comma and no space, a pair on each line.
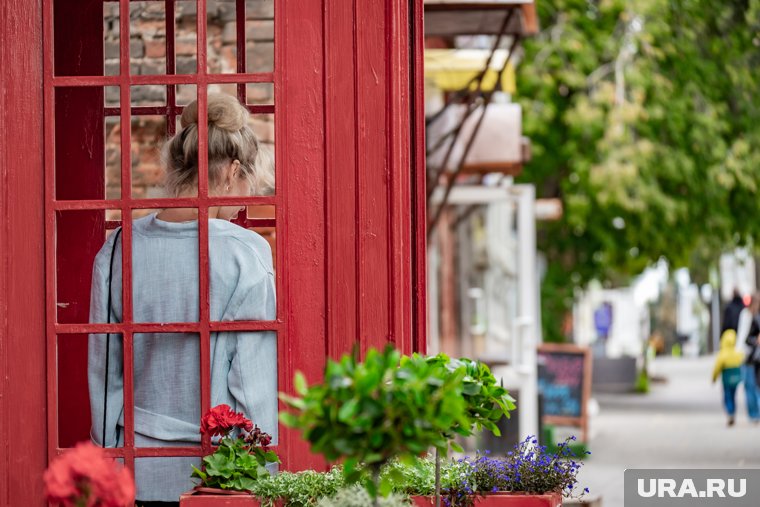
502,500
212,497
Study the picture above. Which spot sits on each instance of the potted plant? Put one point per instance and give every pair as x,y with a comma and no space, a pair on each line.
528,476
370,412
85,476
238,462
486,402
357,496
298,489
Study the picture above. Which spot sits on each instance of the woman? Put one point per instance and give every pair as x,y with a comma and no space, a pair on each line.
165,289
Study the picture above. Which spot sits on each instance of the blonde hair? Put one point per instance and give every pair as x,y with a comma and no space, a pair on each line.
229,138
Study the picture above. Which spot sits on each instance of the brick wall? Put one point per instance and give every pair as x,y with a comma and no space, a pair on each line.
148,56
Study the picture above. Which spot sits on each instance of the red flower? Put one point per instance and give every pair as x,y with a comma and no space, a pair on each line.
257,438
221,419
86,474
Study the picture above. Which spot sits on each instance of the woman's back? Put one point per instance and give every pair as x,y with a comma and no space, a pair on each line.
166,365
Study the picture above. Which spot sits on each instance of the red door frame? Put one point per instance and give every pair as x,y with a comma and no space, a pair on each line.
351,150
23,445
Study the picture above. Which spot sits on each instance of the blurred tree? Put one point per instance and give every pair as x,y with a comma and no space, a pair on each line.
645,119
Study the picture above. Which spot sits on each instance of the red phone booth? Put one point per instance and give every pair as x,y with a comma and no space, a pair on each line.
333,86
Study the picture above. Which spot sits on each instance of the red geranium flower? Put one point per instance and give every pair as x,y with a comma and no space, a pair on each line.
86,474
221,419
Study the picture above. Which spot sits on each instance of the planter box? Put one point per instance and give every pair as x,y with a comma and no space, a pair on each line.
208,497
501,500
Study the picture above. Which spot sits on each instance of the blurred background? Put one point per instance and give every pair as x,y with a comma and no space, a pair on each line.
593,177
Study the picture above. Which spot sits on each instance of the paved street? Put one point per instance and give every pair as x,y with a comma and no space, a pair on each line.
679,424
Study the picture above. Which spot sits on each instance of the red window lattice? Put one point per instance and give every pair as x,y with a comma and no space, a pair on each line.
127,204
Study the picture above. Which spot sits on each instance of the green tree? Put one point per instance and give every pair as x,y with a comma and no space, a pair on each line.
645,121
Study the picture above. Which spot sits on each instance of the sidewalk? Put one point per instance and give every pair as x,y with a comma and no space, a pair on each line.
679,424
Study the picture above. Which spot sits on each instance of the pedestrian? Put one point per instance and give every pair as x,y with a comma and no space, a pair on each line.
165,277
731,313
728,366
747,332
752,349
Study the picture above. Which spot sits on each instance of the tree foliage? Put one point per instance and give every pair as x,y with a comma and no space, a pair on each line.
645,119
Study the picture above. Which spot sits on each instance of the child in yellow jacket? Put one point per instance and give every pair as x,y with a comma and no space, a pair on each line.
728,365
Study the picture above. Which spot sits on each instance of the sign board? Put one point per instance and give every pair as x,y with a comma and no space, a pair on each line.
564,381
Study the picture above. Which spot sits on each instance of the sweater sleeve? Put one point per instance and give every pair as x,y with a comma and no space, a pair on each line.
104,358
252,378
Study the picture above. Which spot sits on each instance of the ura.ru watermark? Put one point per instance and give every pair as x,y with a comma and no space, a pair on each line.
712,488
694,487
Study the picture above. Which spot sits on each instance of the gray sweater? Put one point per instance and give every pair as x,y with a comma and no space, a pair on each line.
167,365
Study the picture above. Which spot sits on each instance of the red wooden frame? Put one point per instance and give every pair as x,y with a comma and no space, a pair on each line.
127,328
349,207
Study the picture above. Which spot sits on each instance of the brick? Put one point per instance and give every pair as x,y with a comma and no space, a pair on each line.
259,31
112,192
153,66
155,47
213,31
111,48
186,25
148,174
186,93
136,48
259,9
228,59
260,57
227,12
264,130
151,28
112,68
110,10
186,46
260,93
186,65
229,34
156,192
148,95
185,9
147,11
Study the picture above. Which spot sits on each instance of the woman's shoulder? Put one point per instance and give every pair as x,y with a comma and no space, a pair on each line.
110,250
239,240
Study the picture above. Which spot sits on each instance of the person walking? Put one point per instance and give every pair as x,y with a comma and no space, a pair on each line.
748,329
732,312
728,366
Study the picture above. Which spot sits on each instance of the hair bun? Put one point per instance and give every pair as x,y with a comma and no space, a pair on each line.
224,112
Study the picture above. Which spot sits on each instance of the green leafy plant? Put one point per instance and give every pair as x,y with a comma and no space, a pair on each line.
300,489
357,496
369,412
418,478
486,401
241,456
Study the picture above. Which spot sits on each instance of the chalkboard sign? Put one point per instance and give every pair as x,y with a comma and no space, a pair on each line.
564,381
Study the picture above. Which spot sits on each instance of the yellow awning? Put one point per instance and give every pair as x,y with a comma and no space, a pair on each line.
453,69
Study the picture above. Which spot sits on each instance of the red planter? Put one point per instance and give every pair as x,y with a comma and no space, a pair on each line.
209,497
502,500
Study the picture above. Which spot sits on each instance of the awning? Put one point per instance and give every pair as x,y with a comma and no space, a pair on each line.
453,69
461,17
498,146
